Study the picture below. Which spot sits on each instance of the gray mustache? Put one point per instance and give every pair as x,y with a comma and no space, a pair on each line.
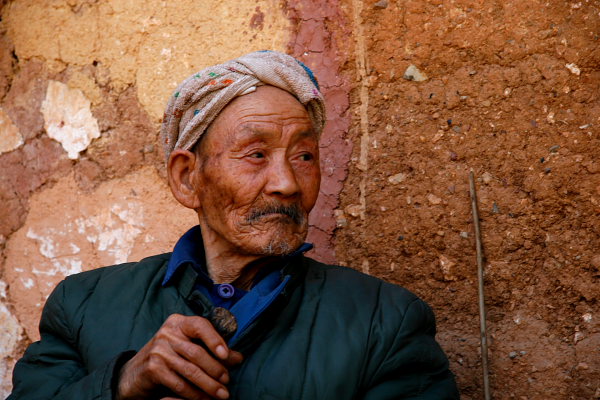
293,211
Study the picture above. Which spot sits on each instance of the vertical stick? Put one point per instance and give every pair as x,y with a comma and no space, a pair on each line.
482,313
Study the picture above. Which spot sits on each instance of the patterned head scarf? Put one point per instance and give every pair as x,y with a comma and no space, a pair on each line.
200,98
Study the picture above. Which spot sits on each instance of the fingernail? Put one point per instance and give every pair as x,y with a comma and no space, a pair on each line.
222,393
221,351
224,379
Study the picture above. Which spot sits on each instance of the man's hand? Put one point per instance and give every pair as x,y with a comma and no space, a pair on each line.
173,360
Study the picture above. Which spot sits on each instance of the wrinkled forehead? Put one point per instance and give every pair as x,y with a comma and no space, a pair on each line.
267,102
267,111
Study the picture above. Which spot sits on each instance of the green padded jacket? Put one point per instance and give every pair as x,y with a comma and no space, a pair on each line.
333,333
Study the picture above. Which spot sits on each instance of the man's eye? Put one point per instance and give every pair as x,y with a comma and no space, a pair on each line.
258,154
306,157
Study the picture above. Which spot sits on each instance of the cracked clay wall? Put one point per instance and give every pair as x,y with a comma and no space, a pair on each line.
511,90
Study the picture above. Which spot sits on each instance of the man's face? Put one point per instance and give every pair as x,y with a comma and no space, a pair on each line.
259,174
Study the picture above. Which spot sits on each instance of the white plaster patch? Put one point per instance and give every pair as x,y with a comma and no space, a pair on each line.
10,332
27,283
68,118
63,266
46,243
74,248
52,244
10,138
10,335
114,230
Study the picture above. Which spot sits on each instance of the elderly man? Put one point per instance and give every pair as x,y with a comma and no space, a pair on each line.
237,311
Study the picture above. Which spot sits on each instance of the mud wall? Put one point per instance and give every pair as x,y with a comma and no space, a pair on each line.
510,90
419,93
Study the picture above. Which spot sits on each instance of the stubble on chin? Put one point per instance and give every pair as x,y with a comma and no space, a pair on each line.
285,228
279,245
272,237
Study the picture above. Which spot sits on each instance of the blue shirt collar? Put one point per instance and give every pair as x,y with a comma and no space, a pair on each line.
190,249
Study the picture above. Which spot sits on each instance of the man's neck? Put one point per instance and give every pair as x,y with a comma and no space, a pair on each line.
225,266
229,265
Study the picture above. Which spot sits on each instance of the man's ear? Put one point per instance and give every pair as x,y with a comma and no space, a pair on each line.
182,170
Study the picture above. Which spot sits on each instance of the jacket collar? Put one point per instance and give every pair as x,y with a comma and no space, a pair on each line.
190,250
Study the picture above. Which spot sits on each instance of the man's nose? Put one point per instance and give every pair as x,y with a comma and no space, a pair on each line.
282,179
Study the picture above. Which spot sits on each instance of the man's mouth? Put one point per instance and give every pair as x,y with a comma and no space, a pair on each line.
292,212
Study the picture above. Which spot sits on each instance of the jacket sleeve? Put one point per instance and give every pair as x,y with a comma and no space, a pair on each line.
408,364
52,368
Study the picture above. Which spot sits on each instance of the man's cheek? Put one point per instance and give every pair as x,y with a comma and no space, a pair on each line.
310,194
